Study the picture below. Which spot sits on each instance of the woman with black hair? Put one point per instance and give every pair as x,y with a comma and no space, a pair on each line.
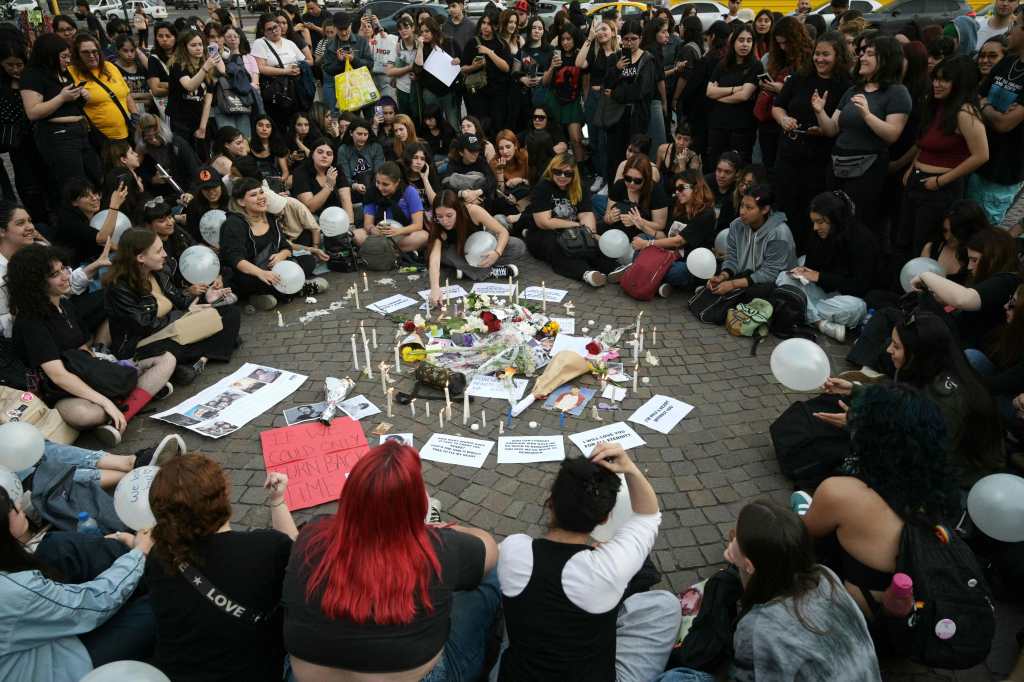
393,210
79,203
28,164
269,150
804,154
563,599
437,132
689,99
55,105
655,42
278,58
763,29
453,222
489,53
869,117
542,125
963,219
122,163
564,81
632,81
319,183
595,57
209,194
637,204
732,87
132,63
158,71
433,91
840,268
952,144
420,173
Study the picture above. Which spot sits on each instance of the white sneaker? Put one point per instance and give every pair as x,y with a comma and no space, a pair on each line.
665,290
595,278
597,184
833,330
433,511
615,275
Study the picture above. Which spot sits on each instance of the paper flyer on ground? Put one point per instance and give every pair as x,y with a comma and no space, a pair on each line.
661,413
470,452
493,289
619,432
234,401
447,293
488,386
542,293
391,304
528,449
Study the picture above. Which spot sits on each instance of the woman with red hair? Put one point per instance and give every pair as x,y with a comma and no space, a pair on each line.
375,593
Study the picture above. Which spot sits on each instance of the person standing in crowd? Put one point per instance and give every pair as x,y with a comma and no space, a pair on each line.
133,65
433,91
458,29
29,168
278,59
158,72
990,53
401,69
998,22
632,82
346,46
595,58
65,27
790,54
563,599
869,117
109,105
731,87
193,77
487,52
140,22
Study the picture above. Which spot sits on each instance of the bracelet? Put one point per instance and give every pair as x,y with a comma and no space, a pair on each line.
277,505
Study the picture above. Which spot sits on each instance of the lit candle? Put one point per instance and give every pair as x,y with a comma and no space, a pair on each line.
465,408
510,283
483,419
373,336
543,297
369,367
654,336
426,406
638,316
636,376
643,333
412,407
391,397
447,400
440,420
366,283
355,353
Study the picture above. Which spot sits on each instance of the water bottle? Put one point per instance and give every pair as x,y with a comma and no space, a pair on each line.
87,524
898,599
867,318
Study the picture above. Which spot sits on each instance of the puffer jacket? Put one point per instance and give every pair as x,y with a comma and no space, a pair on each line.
760,256
133,315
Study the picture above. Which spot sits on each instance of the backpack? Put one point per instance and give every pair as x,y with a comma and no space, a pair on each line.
749,319
789,312
642,280
809,450
342,253
566,84
379,253
953,622
712,308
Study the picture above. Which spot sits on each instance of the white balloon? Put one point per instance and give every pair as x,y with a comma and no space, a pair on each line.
334,221
701,263
996,506
915,266
800,365
120,225
122,671
478,244
21,445
722,242
614,244
131,498
199,265
210,224
292,277
10,482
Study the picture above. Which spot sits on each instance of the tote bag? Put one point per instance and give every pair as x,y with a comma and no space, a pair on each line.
355,88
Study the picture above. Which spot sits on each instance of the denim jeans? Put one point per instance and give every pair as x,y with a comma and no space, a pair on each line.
986,368
472,615
685,675
842,309
329,96
996,199
84,460
241,121
656,128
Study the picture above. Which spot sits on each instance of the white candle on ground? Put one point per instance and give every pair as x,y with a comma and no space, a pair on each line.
654,336
373,337
369,367
440,420
427,408
398,360
412,407
636,376
391,397
465,408
501,427
355,290
355,352
383,376
543,297
483,419
447,400
366,283
362,331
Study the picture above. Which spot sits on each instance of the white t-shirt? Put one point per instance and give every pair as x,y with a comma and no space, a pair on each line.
288,51
592,580
985,31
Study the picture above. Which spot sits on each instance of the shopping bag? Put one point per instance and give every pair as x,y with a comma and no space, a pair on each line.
355,88
193,326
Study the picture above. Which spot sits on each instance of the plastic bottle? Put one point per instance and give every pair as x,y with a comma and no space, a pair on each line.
898,599
867,318
87,524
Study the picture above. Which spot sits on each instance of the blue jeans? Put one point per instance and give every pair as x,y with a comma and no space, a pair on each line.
329,96
843,309
84,460
472,615
243,122
685,675
980,362
656,127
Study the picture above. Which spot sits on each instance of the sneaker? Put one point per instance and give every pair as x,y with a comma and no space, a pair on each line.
615,275
595,278
597,185
170,447
665,290
833,330
503,271
314,286
185,374
263,302
433,511
164,392
800,502
108,436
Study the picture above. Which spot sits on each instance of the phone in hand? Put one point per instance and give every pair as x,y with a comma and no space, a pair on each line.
625,54
764,78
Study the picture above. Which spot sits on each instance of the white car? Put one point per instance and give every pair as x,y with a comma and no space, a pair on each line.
109,9
19,6
862,6
707,11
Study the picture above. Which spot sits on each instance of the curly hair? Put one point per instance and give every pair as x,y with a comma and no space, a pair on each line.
189,499
27,274
582,495
798,43
901,443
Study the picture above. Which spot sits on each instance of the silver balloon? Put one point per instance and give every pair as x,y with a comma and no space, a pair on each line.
199,265
917,266
334,221
478,245
800,365
210,224
701,263
122,223
614,244
996,506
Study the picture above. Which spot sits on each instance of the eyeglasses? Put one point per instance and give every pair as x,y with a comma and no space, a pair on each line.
63,272
629,39
67,30
563,173
540,117
632,179
683,188
86,53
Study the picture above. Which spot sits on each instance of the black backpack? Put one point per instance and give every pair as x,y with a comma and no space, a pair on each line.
808,449
953,622
789,312
342,253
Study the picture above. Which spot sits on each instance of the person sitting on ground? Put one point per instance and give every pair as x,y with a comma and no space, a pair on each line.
561,202
122,165
427,618
393,210
80,202
319,183
420,172
241,637
210,194
840,267
511,166
142,300
158,146
452,225
465,158
747,177
760,246
47,328
962,221
61,631
252,243
359,159
677,156
722,182
563,598
637,204
1000,363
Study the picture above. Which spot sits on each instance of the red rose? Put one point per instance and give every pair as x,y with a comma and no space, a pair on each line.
409,326
487,317
594,348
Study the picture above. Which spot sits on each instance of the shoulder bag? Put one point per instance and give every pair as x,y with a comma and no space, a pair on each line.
476,81
577,242
129,124
222,602
111,379
642,280
231,101
192,327
712,308
277,91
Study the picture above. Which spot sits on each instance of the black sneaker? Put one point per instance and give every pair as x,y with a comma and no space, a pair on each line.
164,392
503,271
185,374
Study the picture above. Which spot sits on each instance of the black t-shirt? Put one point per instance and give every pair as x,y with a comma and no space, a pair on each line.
199,642
440,143
795,98
42,340
976,326
495,76
741,115
75,235
370,647
136,81
618,194
1005,164
427,80
156,68
305,180
184,108
49,86
536,60
546,196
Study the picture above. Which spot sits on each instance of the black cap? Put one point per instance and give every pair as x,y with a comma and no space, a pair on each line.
470,142
208,178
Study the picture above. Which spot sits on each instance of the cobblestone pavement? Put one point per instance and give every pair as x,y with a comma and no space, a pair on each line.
716,459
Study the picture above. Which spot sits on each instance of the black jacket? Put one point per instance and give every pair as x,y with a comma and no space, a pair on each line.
237,243
848,262
184,167
636,91
133,316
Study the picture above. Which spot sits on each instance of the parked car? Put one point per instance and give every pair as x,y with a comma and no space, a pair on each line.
623,7
862,6
390,22
708,11
383,8
897,15
109,9
185,4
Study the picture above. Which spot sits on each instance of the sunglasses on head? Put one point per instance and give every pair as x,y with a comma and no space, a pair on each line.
632,179
563,173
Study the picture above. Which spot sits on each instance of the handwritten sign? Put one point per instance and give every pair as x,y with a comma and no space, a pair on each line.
661,413
470,452
619,432
492,289
540,293
488,386
316,458
566,325
448,292
391,304
526,449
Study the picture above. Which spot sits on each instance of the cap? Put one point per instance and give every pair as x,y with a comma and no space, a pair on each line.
208,178
470,142
522,6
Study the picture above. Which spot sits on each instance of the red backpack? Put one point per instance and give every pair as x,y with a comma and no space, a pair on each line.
649,267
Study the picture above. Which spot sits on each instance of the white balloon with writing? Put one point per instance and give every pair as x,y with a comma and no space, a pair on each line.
199,265
131,498
21,445
292,277
210,224
800,365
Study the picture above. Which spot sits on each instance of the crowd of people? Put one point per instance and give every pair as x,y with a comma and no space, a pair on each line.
814,159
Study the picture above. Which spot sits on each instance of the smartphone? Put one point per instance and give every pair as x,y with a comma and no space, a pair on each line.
212,50
80,84
625,54
378,111
764,78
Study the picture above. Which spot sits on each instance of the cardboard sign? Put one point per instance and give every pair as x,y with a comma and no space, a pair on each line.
316,458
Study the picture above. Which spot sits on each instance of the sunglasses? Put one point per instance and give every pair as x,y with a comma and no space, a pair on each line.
633,180
540,117
683,188
563,173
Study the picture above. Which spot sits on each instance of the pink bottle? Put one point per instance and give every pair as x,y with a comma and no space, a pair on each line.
898,599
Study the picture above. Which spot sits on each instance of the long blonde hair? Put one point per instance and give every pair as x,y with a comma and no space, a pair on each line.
575,191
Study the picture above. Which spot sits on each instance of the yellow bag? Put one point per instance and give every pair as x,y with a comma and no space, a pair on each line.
355,88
